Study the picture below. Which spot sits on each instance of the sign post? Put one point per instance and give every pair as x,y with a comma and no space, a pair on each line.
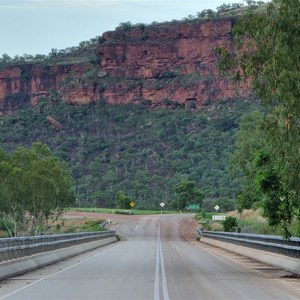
132,204
161,207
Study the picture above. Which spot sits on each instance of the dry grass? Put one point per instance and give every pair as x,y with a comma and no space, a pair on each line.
216,226
68,225
252,221
248,214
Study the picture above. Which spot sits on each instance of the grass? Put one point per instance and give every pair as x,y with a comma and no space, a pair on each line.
123,211
77,225
244,10
92,209
71,226
250,221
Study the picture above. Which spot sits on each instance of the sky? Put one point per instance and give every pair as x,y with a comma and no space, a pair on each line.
37,26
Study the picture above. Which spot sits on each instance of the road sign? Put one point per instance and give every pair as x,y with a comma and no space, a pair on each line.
218,218
217,207
162,204
132,204
193,206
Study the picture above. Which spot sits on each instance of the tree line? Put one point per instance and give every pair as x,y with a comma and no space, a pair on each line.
6,59
134,149
202,15
54,53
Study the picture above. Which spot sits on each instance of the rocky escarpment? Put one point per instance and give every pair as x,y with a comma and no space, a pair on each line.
156,65
26,83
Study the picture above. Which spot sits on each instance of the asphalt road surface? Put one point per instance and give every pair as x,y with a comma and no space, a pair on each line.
153,262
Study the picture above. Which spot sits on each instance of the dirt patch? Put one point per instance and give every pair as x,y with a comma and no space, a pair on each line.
100,216
189,229
188,225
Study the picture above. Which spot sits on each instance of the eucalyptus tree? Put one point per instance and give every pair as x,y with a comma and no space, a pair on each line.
123,201
35,189
187,192
249,141
267,55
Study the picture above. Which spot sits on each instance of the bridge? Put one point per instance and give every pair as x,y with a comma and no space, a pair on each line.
154,260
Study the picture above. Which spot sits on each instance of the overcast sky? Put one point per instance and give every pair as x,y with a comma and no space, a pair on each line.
37,26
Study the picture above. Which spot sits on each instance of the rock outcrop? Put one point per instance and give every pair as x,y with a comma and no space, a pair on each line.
158,65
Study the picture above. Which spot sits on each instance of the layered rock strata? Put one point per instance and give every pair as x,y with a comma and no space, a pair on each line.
157,65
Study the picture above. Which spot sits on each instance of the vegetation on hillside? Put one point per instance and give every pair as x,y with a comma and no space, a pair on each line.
141,152
85,50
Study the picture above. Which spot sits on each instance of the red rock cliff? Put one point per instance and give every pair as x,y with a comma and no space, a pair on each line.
158,64
29,82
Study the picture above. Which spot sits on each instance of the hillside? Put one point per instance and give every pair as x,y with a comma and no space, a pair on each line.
134,149
138,111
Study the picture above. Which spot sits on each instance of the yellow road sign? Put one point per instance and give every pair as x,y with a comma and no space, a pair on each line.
132,204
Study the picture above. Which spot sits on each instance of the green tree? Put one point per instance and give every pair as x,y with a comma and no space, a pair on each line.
187,192
268,57
249,141
35,189
6,58
11,200
230,224
123,201
275,205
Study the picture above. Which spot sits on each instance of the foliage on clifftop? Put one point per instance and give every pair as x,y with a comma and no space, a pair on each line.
85,50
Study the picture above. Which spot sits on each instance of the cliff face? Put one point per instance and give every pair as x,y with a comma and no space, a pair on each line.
160,65
27,83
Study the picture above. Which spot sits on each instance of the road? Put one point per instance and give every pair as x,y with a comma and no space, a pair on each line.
153,262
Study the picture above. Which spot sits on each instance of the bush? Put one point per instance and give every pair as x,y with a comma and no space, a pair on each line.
123,201
230,224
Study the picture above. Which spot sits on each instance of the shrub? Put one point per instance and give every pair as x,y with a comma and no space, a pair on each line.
230,224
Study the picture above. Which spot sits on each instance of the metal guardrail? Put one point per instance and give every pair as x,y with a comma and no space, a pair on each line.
12,248
271,243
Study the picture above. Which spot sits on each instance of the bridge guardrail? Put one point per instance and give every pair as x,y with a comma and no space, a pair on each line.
271,243
12,248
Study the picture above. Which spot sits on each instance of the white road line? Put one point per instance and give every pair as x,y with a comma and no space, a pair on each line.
163,273
156,281
136,228
160,266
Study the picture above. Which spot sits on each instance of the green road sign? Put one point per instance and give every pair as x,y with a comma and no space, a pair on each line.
193,206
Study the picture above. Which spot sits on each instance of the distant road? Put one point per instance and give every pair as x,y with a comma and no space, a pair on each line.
154,263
